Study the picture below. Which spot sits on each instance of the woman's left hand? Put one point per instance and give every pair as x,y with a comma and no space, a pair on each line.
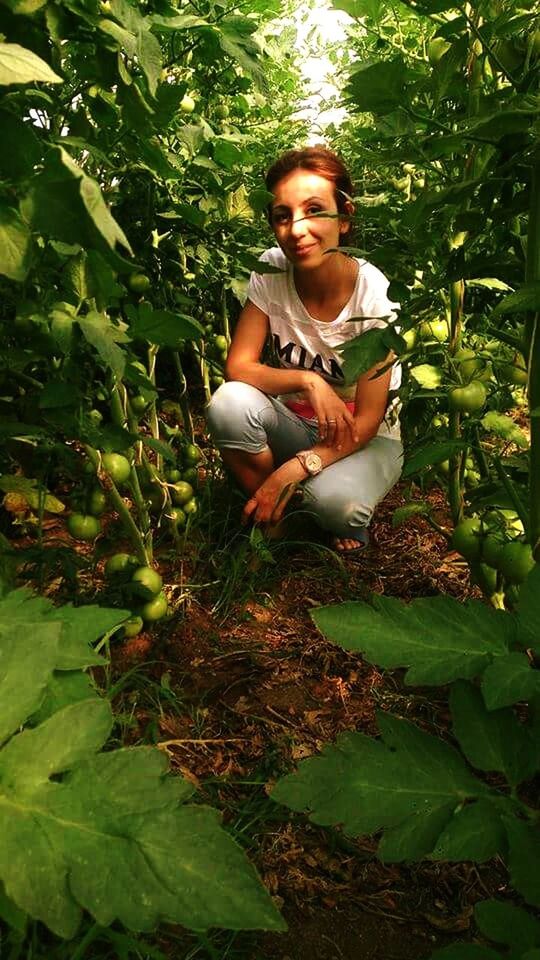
269,501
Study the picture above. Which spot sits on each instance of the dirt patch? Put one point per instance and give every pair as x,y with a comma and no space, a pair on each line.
260,689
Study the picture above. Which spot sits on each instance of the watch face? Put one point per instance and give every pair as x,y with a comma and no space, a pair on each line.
313,462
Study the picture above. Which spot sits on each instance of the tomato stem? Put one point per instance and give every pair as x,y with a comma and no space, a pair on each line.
532,336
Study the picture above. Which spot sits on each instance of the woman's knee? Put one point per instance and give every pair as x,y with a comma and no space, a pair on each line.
340,514
233,414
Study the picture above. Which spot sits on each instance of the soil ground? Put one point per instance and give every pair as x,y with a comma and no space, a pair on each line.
240,686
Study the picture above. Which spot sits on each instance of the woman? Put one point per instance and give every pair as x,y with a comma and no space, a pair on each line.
300,423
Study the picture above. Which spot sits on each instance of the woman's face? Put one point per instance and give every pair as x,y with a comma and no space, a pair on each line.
303,236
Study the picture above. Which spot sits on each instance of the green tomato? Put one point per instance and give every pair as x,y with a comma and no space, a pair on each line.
83,526
133,626
467,538
471,366
155,609
117,467
409,337
221,343
191,475
187,104
191,507
173,476
119,564
177,517
139,282
491,549
516,561
148,580
437,47
515,372
97,502
468,399
138,404
222,111
181,492
434,330
192,455
487,579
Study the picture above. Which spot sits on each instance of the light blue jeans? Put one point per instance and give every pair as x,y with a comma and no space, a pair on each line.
343,497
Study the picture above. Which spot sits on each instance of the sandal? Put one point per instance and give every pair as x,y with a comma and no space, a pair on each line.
350,553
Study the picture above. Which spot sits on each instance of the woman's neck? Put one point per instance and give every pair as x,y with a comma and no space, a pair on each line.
333,279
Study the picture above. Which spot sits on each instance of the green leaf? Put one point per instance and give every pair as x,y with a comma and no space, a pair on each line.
415,508
58,393
509,680
430,454
15,244
148,53
526,298
378,87
437,638
21,689
475,832
64,688
104,336
160,447
131,853
10,914
504,427
427,376
407,784
466,951
227,155
21,148
234,35
363,352
523,859
164,328
529,610
34,494
505,923
67,204
18,65
357,9
491,740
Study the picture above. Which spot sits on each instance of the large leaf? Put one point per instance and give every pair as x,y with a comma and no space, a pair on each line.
524,857
466,951
112,823
526,298
508,680
491,740
529,610
21,689
437,638
363,352
162,327
432,453
105,336
18,65
21,148
408,784
475,832
15,244
378,87
67,204
505,923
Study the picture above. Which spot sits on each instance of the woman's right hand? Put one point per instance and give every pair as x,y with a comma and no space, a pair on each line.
333,415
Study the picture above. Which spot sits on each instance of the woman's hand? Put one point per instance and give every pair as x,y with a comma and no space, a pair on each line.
269,501
335,418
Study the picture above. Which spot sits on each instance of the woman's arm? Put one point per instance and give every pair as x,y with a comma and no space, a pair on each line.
269,501
244,364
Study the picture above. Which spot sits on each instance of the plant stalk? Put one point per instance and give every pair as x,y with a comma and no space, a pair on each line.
532,339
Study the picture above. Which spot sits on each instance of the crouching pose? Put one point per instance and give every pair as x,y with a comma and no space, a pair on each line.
300,423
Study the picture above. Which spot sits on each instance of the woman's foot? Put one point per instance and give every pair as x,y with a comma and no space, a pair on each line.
348,546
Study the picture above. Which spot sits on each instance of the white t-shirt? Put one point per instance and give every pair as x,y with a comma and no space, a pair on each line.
301,341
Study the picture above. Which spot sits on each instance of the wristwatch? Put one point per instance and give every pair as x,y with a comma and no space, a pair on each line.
310,461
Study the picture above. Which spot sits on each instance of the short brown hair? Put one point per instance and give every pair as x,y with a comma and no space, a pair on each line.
318,159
